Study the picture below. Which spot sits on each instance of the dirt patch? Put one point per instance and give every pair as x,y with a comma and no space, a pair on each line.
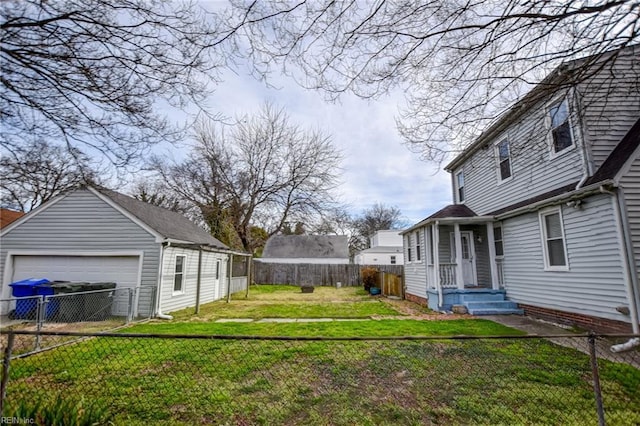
413,311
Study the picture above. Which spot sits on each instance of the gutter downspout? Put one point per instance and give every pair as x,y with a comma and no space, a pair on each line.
229,274
199,280
633,308
159,313
586,169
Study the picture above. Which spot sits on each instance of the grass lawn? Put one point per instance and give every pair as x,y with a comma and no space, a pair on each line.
281,301
245,382
337,382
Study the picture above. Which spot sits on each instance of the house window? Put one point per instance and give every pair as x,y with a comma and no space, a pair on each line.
409,248
178,276
393,260
503,154
560,126
555,251
460,179
497,239
418,252
218,270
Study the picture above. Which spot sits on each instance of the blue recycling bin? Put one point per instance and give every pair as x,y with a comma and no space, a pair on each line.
53,304
26,308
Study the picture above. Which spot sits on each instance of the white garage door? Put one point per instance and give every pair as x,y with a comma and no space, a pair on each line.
122,270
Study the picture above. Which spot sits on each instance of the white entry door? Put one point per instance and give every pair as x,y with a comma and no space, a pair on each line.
468,257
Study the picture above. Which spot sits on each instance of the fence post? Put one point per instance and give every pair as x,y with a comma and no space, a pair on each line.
6,363
130,307
40,318
596,379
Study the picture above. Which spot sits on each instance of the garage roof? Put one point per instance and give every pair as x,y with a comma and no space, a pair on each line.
167,223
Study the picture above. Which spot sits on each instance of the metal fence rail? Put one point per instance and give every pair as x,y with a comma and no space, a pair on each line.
151,379
87,311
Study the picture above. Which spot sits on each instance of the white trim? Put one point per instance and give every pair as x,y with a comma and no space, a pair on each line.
496,151
495,284
543,235
549,124
8,265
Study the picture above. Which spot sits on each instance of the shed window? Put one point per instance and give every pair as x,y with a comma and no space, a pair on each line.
178,275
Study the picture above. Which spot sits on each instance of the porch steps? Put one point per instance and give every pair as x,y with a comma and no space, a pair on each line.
489,303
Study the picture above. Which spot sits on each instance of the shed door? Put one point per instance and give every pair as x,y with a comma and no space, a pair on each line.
122,270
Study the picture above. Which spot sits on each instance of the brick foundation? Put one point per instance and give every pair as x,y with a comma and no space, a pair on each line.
586,322
416,299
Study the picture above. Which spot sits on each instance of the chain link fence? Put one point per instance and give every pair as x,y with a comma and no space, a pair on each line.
227,380
86,311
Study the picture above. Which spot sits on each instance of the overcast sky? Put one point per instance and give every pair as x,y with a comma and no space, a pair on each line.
377,167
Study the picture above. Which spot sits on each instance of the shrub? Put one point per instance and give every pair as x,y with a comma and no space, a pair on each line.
369,277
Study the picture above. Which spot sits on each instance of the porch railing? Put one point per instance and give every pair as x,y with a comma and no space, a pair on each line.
448,275
500,268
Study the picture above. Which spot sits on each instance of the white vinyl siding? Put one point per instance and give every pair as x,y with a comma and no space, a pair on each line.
532,171
631,190
553,240
595,283
211,288
83,222
609,110
415,277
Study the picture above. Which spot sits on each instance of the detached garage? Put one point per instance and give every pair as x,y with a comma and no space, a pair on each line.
99,235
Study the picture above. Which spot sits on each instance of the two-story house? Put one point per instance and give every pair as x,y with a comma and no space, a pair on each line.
385,248
546,213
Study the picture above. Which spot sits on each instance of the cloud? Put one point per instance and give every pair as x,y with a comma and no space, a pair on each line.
377,167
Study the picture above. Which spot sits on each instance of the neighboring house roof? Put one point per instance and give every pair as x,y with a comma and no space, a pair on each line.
307,246
167,223
7,216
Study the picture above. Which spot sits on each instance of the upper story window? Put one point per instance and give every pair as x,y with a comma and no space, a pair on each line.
460,182
560,126
555,250
503,153
178,275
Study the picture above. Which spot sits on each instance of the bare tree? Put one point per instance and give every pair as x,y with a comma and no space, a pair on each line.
89,73
156,192
377,217
34,174
265,171
460,62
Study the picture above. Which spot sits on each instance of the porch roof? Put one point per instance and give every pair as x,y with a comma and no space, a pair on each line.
453,213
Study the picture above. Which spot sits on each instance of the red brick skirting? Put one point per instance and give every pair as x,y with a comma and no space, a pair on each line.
586,322
416,299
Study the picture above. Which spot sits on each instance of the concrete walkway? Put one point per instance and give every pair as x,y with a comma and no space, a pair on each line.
543,328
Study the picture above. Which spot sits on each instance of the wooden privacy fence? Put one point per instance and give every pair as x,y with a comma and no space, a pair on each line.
315,274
